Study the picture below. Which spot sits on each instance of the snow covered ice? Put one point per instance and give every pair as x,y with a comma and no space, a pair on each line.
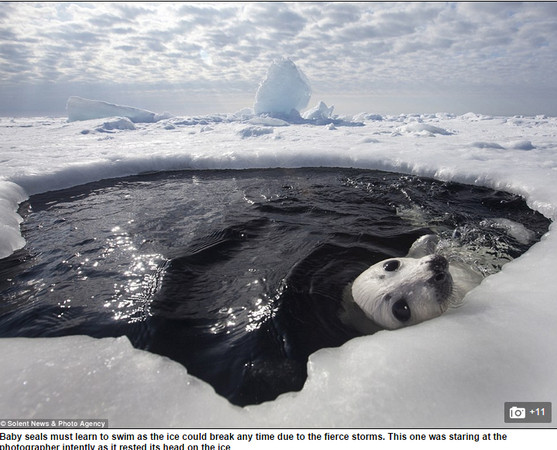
457,370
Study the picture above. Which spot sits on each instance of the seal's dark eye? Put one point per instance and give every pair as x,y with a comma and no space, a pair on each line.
391,266
401,310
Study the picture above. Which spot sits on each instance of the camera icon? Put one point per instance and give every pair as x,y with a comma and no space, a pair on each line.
527,412
517,413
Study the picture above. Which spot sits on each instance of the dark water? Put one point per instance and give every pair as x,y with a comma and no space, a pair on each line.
238,275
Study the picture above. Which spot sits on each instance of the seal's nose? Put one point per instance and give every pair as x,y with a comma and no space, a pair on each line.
439,266
441,278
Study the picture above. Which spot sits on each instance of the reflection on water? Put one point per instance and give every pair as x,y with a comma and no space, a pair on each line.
237,275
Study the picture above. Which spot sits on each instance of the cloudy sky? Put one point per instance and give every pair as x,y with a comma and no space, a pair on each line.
188,58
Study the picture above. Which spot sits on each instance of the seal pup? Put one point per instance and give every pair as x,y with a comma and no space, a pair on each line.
399,292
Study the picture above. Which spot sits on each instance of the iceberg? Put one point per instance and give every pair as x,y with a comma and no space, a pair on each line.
284,91
84,109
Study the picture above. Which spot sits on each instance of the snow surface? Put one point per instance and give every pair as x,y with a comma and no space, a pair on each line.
454,371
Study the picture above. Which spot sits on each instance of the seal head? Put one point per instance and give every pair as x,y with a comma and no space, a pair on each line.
398,292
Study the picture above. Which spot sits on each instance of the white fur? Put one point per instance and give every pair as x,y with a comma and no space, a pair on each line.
423,283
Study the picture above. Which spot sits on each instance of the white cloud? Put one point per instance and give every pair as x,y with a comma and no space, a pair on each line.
359,49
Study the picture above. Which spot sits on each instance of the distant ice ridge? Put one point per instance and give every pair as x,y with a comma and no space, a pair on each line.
320,112
281,96
84,109
285,91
